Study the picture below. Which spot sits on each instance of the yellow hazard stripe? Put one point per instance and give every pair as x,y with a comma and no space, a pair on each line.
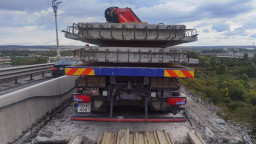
79,71
179,73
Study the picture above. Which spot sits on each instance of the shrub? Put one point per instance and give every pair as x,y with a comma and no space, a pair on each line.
243,77
236,90
213,94
235,104
221,69
253,98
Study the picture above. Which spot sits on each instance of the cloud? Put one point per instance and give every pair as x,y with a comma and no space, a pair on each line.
203,24
32,35
24,5
136,3
185,11
225,8
220,26
253,35
214,18
240,31
205,30
250,24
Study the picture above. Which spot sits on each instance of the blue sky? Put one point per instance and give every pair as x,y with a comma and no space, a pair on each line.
218,22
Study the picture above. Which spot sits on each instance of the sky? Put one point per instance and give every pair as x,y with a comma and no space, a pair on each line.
218,22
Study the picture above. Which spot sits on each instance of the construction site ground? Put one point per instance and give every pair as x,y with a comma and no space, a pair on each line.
60,129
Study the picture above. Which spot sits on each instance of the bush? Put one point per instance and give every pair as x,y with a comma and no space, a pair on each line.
243,77
221,69
253,98
236,90
213,94
235,104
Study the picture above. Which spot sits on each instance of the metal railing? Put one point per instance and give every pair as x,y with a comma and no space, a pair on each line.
15,72
173,30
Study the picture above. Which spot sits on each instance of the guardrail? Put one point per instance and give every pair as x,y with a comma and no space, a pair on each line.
16,72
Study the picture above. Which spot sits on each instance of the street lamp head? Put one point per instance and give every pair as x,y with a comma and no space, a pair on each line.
55,4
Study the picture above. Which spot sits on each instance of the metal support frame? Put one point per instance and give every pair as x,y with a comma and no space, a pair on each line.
112,80
16,80
111,106
111,99
31,77
146,106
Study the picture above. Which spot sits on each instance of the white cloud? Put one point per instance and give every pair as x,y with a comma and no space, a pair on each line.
32,26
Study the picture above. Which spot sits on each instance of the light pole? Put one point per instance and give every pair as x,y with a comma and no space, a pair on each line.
55,4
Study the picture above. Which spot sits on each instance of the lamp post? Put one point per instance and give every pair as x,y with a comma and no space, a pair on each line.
55,4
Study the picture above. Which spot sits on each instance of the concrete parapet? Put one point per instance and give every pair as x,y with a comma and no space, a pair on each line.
22,108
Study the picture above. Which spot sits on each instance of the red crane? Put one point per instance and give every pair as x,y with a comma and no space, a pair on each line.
120,15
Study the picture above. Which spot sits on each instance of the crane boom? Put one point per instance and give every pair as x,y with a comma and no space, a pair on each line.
120,15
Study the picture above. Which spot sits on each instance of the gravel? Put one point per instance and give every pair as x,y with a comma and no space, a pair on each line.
212,128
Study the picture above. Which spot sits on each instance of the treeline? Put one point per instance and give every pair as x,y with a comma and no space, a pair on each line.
25,57
28,60
228,83
24,53
221,50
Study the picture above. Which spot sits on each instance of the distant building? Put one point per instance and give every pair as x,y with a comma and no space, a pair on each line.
5,62
230,55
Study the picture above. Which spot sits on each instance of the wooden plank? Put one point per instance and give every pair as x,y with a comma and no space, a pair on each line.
199,136
145,137
156,137
141,139
195,138
100,138
152,139
104,138
135,134
123,136
76,140
169,135
162,138
131,138
110,138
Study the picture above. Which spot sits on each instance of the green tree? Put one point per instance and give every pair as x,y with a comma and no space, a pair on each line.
252,97
221,69
235,104
213,61
193,54
246,55
236,90
244,77
213,94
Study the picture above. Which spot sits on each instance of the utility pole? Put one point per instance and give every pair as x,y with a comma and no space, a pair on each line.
55,4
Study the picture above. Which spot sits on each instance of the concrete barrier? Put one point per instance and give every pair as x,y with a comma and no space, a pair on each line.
22,108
